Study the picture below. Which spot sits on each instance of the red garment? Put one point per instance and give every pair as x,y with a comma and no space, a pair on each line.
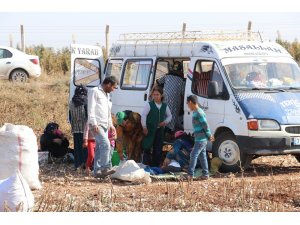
91,152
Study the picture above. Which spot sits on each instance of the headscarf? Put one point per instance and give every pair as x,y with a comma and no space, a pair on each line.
120,117
80,96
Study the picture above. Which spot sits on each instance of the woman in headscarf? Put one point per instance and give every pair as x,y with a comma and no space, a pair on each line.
78,119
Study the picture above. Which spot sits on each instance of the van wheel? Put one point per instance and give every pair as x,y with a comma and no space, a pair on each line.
227,149
298,158
18,76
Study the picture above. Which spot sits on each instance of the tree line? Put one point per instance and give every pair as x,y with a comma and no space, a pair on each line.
52,61
58,61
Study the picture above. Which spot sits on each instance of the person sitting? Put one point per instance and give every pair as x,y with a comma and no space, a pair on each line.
238,79
182,148
54,141
255,79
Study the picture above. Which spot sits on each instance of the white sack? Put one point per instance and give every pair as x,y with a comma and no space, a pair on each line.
130,171
15,194
19,151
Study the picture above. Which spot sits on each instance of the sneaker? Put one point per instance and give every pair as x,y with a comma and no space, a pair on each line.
187,177
203,178
106,172
103,173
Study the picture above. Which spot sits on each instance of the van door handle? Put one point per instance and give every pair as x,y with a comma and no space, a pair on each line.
145,97
8,62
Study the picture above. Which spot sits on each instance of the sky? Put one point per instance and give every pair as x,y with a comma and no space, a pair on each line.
58,29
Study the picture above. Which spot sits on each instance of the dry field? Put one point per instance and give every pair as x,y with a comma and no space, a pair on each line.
270,184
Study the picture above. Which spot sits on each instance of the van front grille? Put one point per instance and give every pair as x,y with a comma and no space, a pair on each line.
293,130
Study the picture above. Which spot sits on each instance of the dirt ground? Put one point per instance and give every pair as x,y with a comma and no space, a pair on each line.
270,184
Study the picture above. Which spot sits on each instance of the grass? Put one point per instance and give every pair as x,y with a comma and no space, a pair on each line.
36,103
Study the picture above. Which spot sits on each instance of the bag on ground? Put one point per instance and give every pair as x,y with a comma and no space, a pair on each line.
15,194
130,171
19,151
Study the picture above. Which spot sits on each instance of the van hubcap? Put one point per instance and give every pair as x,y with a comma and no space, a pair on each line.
229,152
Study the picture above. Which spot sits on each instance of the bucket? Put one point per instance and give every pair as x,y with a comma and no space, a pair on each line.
115,159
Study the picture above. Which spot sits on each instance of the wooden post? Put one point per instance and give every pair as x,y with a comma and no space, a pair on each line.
106,41
183,29
249,30
10,41
22,39
73,39
278,35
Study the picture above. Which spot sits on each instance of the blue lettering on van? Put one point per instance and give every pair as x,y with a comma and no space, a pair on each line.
251,47
284,107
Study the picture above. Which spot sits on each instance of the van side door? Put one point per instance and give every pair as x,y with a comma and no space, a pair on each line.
214,108
86,66
134,86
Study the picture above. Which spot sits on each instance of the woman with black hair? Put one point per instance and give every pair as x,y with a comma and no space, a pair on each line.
78,119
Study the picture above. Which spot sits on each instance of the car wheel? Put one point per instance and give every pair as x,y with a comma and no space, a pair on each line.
227,149
18,76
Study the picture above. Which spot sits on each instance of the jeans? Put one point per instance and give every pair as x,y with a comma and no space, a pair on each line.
198,150
80,154
103,151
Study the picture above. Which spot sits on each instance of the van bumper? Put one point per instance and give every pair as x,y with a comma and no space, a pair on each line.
267,146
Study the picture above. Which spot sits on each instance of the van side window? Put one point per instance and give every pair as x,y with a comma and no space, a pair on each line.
216,76
114,69
162,68
136,74
204,72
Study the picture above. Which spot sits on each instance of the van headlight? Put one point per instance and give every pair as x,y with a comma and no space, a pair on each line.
254,124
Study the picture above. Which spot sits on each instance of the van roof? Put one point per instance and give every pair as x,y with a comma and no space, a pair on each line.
212,45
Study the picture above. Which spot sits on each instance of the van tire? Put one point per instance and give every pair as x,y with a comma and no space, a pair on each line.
226,148
298,158
18,75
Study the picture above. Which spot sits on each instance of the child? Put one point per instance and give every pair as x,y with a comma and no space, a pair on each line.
155,116
112,136
90,144
202,134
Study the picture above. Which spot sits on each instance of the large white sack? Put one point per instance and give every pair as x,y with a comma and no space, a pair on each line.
19,151
15,194
130,171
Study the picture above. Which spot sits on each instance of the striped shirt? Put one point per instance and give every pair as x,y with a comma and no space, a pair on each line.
78,118
200,125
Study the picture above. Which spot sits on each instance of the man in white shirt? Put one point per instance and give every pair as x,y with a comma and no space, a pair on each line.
99,116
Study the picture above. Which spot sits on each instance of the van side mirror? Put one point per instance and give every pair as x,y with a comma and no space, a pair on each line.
213,89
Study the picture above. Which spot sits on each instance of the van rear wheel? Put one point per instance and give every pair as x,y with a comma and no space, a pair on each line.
298,158
227,149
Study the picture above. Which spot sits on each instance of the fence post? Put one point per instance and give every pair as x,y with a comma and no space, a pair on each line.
106,41
22,39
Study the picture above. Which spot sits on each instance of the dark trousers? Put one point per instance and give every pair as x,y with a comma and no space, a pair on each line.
80,154
154,158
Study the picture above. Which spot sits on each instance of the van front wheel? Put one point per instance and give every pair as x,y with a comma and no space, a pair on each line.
227,149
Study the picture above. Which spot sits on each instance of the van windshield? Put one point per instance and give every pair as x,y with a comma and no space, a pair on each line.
263,73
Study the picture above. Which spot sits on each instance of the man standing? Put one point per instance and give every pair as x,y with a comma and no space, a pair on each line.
99,116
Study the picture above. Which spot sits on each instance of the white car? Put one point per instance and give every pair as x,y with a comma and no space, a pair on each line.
18,66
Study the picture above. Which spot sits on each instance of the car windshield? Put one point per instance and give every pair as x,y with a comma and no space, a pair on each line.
273,73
